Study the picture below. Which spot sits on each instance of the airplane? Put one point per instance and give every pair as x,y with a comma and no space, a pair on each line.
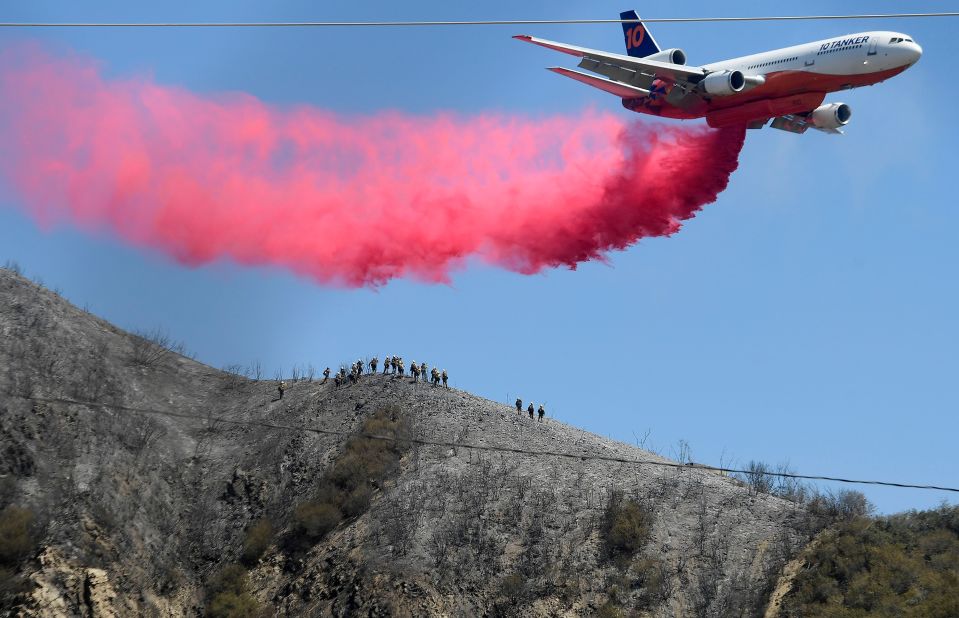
787,86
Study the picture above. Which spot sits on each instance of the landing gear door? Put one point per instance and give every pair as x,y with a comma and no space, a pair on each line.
873,44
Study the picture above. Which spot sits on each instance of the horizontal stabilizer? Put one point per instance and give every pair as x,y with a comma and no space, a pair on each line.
624,91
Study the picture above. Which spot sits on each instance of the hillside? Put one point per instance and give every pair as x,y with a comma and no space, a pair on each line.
112,511
901,565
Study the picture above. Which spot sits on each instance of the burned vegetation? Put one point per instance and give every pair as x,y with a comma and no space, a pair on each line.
138,481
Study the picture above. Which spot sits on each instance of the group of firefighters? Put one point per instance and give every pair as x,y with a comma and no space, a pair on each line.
530,409
394,366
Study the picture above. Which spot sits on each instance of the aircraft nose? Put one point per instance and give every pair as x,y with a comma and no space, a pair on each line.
915,52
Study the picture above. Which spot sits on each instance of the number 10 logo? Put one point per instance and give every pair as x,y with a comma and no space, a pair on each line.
635,36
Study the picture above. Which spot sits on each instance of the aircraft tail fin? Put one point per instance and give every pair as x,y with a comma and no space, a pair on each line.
639,41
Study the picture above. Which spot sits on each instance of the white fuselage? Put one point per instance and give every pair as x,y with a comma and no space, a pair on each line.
798,77
851,54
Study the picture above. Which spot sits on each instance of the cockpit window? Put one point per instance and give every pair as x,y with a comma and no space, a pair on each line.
908,40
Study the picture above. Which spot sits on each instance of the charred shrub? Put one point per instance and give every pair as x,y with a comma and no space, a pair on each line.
513,586
626,528
150,347
16,543
13,267
11,584
513,590
371,456
356,502
258,537
16,537
842,505
231,605
315,519
653,579
8,489
758,478
609,610
229,594
347,489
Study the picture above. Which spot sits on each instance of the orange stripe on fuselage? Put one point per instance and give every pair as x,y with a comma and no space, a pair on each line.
778,84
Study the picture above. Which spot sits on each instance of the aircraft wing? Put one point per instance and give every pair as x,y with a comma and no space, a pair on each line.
639,72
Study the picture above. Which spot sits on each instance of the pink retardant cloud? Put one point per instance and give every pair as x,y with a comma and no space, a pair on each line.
344,199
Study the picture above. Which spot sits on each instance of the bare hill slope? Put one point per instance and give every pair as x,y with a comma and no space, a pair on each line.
137,514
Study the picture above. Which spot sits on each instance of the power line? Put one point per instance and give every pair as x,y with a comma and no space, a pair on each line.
491,22
483,447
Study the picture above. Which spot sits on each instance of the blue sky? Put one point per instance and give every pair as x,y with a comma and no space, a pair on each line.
808,316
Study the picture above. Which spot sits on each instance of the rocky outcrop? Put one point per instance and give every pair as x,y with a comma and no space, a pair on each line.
61,588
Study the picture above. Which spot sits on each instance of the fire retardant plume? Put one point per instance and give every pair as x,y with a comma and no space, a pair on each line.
344,199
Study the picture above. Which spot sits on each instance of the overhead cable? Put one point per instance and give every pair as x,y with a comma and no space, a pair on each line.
490,22
484,447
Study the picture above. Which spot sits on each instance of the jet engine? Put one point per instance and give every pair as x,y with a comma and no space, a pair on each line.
675,56
724,82
831,115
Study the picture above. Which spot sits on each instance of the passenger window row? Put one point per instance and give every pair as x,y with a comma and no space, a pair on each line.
767,64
